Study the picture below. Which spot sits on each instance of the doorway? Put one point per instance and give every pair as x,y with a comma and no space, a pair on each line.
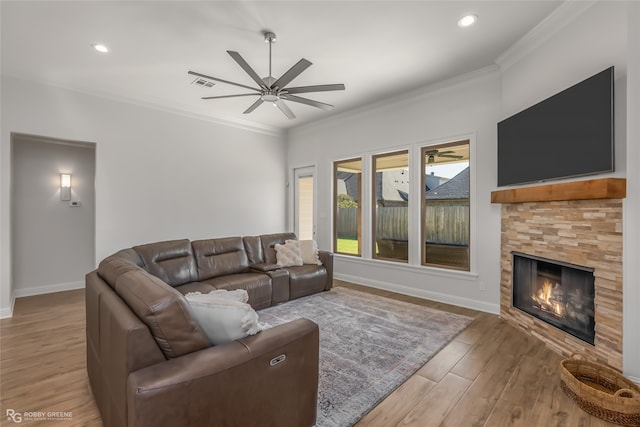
304,206
52,213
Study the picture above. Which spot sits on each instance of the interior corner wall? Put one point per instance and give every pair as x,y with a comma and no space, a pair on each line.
468,105
631,249
159,175
595,40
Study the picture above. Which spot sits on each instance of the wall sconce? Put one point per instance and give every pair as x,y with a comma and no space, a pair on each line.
65,186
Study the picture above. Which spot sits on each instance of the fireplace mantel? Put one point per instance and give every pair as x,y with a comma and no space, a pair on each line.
604,188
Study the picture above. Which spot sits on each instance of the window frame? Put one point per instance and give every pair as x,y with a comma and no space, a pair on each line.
423,206
336,164
374,204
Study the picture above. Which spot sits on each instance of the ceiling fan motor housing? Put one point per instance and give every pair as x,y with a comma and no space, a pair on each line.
270,37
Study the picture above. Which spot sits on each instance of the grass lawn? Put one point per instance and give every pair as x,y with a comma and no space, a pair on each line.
347,246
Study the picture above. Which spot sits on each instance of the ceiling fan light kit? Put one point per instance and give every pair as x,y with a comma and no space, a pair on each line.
432,154
271,89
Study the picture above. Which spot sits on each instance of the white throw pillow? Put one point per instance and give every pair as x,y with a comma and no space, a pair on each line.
288,255
235,295
223,320
308,251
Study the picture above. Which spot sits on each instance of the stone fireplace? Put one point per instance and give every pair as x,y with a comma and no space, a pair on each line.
570,236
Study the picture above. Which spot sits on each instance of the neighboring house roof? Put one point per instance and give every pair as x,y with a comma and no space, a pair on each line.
456,188
351,183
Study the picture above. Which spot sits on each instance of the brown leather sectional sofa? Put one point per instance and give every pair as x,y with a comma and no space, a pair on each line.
149,362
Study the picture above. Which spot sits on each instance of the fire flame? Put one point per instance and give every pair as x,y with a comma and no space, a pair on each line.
545,292
544,295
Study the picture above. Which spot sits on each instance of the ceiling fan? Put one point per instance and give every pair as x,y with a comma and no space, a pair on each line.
274,90
432,154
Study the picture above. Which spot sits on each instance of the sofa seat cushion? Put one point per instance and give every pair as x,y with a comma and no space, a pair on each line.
257,285
223,319
164,310
306,280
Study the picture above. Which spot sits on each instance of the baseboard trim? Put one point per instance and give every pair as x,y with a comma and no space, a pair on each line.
636,380
48,289
7,312
421,293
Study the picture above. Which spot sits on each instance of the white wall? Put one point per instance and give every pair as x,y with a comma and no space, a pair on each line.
631,290
466,107
598,37
158,175
53,243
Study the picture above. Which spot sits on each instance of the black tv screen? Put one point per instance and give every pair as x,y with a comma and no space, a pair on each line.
569,134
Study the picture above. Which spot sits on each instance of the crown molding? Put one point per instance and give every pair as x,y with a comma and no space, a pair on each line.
562,16
421,93
238,124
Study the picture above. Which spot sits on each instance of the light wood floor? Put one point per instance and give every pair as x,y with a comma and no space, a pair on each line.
490,375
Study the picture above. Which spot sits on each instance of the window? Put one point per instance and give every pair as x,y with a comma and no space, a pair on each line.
445,205
390,206
347,215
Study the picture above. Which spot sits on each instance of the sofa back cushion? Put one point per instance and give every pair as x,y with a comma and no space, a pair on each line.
172,261
270,240
220,257
253,247
164,310
117,264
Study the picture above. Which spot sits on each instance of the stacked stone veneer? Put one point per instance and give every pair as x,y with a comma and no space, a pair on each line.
583,232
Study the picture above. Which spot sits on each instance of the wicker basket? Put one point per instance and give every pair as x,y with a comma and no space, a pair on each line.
601,391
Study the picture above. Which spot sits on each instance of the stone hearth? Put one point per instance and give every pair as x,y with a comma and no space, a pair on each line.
582,232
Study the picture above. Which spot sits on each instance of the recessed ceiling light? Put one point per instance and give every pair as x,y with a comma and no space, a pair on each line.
467,21
100,48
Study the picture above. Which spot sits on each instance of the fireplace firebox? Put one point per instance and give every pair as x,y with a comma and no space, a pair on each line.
558,293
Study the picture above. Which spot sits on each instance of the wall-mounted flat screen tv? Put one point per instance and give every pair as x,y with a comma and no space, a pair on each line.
569,134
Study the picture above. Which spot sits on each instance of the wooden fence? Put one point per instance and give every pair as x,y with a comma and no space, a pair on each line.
447,224
347,223
443,223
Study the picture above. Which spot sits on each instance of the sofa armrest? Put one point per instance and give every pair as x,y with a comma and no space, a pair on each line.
238,383
326,258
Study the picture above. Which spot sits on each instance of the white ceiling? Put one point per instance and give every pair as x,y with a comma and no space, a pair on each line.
377,49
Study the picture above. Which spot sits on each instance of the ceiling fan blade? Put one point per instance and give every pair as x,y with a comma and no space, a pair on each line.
286,110
291,74
253,106
247,68
307,102
229,96
316,88
224,81
450,156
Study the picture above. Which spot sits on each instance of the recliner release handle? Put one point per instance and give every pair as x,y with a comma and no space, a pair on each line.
277,360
